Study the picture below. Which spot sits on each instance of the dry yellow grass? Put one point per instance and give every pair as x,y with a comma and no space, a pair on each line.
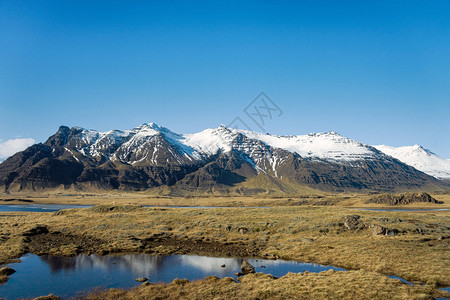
3,279
146,198
324,285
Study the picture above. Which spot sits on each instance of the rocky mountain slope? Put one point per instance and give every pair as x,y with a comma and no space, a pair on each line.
219,160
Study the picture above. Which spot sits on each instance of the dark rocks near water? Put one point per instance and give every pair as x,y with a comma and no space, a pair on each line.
403,199
247,268
48,297
141,279
6,271
271,256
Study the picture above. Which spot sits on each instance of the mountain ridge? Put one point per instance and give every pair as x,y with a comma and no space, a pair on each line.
218,160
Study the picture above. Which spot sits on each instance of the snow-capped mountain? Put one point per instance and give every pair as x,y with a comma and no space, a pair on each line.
420,158
143,143
214,159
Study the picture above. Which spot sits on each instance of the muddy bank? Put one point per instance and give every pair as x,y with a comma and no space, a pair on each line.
57,243
200,246
16,200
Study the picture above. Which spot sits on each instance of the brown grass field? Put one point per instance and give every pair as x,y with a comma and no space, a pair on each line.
144,198
310,229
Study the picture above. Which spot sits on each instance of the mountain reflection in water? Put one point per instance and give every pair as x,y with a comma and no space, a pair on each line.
139,263
68,276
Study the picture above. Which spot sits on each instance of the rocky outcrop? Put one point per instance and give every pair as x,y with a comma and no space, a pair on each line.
353,222
48,297
403,199
141,279
378,230
247,268
7,271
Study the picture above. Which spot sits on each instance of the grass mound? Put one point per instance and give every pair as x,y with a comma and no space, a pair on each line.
402,199
102,208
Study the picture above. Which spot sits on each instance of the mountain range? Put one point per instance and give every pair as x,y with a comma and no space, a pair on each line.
214,161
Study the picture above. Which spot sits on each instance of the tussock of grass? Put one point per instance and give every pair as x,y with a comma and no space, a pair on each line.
3,279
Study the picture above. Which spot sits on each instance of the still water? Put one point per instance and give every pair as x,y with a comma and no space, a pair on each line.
67,276
39,207
57,207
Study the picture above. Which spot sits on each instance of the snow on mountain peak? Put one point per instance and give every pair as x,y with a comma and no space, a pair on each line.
328,145
210,141
149,139
420,158
328,133
144,128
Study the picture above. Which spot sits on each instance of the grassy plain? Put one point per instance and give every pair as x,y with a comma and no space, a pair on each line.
144,198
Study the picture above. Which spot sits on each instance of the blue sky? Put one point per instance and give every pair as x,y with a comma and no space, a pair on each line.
375,71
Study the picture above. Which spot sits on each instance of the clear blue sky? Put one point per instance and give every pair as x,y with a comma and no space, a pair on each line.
375,71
